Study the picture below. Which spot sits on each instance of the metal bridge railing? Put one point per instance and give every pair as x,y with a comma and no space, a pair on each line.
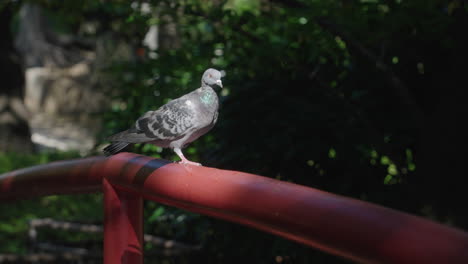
357,230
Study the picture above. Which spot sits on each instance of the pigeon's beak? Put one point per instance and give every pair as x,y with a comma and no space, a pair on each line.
219,83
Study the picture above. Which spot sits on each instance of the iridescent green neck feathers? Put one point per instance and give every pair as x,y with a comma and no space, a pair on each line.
208,96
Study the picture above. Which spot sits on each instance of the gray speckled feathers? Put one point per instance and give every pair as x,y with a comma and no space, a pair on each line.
176,123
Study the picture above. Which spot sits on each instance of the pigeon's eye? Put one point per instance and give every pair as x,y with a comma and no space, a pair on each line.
210,76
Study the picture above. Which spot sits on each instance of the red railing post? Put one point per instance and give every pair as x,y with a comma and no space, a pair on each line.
123,226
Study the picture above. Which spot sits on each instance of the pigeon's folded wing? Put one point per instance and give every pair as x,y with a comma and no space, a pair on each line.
170,122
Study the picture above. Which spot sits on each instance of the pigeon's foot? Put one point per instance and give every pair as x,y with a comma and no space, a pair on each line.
188,162
184,160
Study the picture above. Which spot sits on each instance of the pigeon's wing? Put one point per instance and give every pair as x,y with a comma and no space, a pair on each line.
170,122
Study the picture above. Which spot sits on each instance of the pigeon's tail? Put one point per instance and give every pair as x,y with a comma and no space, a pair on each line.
114,148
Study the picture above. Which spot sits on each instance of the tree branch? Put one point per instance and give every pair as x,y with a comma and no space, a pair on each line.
89,228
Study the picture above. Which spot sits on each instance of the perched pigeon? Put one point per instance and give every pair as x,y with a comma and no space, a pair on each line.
177,123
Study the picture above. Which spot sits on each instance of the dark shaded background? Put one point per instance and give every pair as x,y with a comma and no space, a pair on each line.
361,98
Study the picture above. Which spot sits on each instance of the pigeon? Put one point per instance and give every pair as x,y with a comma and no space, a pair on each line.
177,123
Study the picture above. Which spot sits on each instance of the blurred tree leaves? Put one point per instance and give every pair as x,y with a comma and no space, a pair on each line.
321,93
241,6
14,217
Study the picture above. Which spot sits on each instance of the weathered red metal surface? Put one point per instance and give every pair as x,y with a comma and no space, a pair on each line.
354,229
123,226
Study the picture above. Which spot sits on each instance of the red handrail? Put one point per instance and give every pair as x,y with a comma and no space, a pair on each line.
354,229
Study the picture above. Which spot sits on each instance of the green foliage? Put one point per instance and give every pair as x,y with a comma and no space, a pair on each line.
14,217
321,93
12,161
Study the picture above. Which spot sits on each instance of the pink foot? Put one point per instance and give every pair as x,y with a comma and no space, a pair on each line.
188,162
184,160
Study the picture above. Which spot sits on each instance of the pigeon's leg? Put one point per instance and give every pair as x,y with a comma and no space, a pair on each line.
183,159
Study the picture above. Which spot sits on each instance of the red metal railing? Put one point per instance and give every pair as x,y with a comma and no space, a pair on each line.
350,228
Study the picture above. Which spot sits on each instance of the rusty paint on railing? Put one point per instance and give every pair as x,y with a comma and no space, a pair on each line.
346,227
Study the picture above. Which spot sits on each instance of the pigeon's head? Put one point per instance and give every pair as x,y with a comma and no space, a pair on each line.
212,78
